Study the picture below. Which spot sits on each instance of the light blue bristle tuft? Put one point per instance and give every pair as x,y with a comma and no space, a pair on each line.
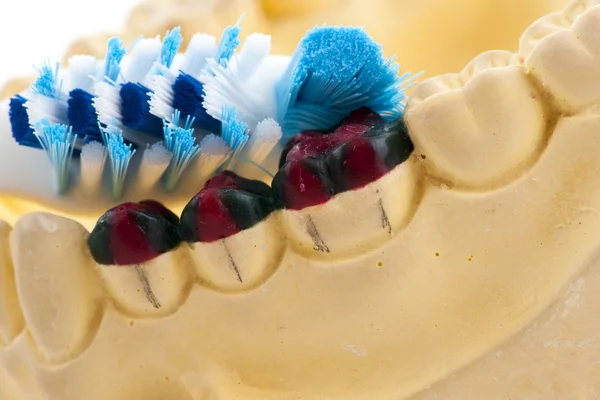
58,142
230,40
334,71
182,145
47,84
170,46
234,132
114,54
120,155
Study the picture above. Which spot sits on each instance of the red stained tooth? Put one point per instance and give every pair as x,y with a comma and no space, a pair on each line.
160,209
213,221
302,188
129,244
360,165
307,148
355,125
225,179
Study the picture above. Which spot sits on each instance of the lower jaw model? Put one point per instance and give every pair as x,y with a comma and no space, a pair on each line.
445,250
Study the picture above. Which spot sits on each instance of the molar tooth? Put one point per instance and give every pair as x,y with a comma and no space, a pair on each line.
153,288
355,221
243,260
565,57
58,289
11,317
498,112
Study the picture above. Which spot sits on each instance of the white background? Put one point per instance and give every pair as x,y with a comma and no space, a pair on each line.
32,31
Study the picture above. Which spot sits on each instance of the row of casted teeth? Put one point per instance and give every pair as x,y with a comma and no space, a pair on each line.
52,288
502,102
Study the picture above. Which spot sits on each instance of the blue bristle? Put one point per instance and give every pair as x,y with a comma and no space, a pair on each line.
82,115
188,95
119,154
47,84
230,40
182,145
58,142
135,110
22,132
170,46
234,132
114,55
334,71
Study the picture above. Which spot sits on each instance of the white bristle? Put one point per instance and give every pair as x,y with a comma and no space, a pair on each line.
53,109
161,99
223,88
107,103
155,161
201,47
214,152
93,157
265,137
83,70
256,47
145,53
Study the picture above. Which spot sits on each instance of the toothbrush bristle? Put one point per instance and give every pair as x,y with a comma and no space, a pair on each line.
161,98
188,97
223,90
143,56
93,157
82,115
170,46
22,131
214,152
135,109
120,155
114,56
234,132
182,145
264,139
58,142
255,49
47,84
334,71
201,47
230,40
83,70
155,162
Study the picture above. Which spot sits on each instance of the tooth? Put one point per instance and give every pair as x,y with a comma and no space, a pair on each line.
58,288
11,318
497,111
243,260
233,232
336,227
156,287
562,51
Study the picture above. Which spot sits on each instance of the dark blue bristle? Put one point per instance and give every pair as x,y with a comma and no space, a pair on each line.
136,110
188,95
22,132
82,115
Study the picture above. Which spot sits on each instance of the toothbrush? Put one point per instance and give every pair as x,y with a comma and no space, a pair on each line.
185,117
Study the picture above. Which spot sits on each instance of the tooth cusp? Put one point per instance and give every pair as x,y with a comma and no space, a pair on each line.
225,206
134,233
303,183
